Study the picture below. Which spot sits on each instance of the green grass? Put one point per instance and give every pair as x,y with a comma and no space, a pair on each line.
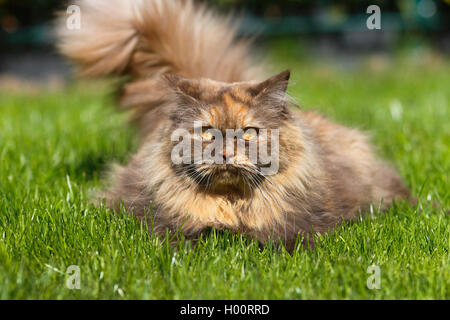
55,146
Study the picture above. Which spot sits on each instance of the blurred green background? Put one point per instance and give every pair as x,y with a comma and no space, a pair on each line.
24,21
330,28
21,20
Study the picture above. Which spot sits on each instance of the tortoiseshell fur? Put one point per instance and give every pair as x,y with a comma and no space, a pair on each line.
185,65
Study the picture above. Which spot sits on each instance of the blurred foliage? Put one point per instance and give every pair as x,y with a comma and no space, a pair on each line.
293,7
20,13
24,21
17,13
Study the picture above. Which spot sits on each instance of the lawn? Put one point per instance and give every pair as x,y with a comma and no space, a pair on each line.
56,145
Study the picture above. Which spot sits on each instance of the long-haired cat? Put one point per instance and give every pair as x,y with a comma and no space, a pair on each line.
186,66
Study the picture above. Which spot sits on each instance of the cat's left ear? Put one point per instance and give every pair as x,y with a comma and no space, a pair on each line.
274,85
271,94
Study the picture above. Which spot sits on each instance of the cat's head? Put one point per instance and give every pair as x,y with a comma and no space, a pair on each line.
229,138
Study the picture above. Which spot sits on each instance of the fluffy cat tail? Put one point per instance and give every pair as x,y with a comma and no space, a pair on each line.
145,39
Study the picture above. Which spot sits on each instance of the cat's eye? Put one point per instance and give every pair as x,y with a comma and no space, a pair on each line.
250,133
207,134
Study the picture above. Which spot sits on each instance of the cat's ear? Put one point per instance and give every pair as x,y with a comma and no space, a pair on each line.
271,94
185,89
274,85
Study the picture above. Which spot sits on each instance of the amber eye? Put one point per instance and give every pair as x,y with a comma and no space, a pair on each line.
207,134
250,133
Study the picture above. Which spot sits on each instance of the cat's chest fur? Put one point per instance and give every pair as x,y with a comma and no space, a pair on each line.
199,211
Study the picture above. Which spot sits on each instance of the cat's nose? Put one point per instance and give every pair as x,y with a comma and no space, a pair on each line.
228,152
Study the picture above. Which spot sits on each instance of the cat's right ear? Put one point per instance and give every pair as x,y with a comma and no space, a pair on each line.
172,79
185,89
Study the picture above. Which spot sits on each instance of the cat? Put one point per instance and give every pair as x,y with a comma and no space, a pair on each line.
185,65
